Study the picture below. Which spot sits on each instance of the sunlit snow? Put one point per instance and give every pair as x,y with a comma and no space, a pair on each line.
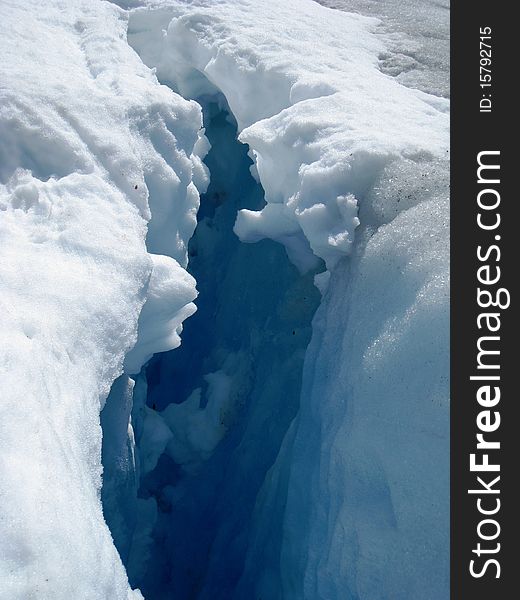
267,183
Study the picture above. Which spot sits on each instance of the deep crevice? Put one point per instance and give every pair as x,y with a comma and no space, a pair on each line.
228,394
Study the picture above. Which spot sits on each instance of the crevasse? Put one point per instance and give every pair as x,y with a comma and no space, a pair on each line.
270,456
343,505
218,407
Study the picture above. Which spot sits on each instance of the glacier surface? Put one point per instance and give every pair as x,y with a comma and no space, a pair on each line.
295,446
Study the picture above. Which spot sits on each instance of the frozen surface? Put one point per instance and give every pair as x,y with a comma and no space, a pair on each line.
91,148
417,34
369,479
278,453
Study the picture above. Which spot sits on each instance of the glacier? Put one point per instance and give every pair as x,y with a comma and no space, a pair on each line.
268,181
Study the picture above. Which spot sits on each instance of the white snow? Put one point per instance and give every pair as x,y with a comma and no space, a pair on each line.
416,33
91,148
168,303
100,174
320,124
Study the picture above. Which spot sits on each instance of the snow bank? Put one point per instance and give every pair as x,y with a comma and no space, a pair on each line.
91,149
303,83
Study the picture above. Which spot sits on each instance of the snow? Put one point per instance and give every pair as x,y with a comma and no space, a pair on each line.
83,128
281,451
353,164
318,124
416,33
168,303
